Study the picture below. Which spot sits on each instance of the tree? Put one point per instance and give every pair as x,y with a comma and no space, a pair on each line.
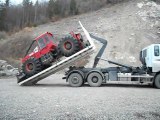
35,11
50,8
73,7
7,3
27,4
54,8
3,14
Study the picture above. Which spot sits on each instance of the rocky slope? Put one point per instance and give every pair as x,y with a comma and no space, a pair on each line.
128,27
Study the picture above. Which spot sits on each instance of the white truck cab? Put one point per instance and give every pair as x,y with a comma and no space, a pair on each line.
150,57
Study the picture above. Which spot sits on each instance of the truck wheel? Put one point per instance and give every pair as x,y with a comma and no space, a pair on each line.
157,81
94,79
31,67
68,46
75,80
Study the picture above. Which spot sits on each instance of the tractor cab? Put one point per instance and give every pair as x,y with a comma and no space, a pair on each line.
41,45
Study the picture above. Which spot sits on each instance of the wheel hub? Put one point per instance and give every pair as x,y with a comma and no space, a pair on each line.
68,45
95,79
75,80
29,66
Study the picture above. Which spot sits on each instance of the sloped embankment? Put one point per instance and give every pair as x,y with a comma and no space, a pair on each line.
122,25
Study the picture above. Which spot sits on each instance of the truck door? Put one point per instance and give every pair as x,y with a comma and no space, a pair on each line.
156,59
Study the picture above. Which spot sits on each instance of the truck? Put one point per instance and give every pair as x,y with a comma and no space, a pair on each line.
148,72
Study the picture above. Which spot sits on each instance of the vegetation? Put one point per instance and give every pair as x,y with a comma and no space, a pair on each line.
14,49
73,7
28,14
15,17
156,0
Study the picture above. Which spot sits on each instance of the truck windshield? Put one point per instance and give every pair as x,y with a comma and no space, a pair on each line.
156,50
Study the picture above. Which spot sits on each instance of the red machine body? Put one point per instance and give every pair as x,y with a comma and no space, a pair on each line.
44,51
44,45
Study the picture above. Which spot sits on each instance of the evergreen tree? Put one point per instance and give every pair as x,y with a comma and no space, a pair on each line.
35,11
54,8
26,11
2,19
73,8
7,3
3,14
50,8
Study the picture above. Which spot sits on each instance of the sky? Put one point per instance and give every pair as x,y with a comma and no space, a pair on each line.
20,1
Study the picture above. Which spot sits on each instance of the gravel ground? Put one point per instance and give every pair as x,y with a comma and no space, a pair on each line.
53,98
126,34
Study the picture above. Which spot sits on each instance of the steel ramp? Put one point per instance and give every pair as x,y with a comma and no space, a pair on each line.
64,63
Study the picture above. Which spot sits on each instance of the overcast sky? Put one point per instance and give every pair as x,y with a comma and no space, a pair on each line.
20,1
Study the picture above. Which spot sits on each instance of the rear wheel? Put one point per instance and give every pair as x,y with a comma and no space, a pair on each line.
157,81
94,79
68,46
31,67
75,80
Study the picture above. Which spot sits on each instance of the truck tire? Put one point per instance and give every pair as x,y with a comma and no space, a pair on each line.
157,81
68,46
75,80
31,67
94,79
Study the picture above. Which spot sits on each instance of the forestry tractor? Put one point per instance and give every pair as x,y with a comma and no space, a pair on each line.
43,51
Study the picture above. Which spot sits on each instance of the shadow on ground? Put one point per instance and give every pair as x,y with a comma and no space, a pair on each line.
103,85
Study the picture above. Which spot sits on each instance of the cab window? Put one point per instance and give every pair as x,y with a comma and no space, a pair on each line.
156,50
144,53
41,43
47,39
52,38
32,49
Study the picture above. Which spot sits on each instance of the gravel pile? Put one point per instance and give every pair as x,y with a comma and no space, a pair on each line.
150,12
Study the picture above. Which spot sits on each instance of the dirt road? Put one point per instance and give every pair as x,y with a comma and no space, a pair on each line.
53,98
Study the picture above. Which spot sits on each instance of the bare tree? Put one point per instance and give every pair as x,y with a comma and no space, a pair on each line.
16,17
35,11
